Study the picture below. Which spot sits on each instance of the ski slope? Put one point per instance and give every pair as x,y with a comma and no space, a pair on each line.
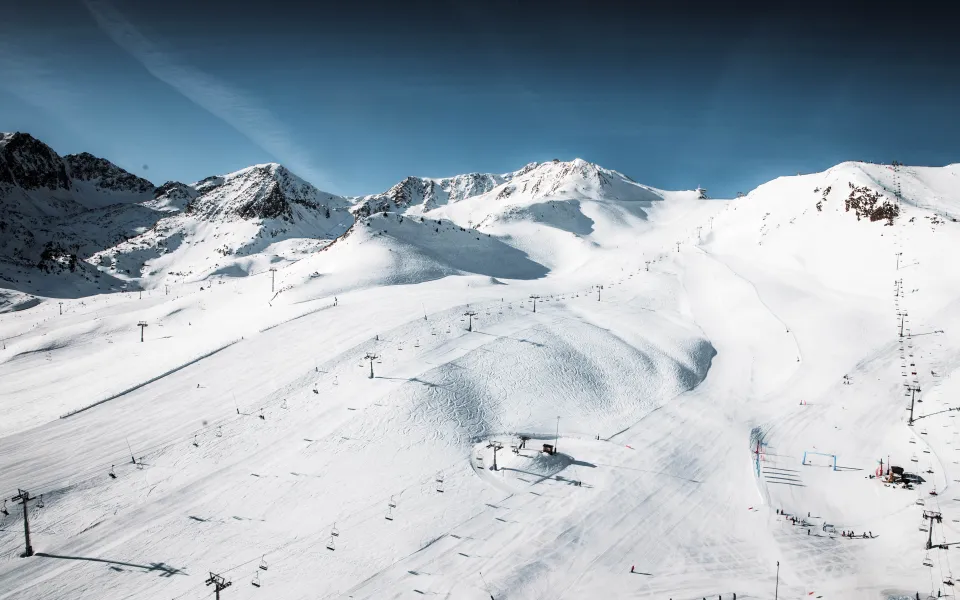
246,438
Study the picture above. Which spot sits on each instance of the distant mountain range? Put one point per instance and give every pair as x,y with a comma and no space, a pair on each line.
79,224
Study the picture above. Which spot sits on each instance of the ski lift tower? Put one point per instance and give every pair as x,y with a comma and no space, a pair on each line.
913,389
219,583
470,314
534,297
931,516
142,325
701,193
371,356
496,446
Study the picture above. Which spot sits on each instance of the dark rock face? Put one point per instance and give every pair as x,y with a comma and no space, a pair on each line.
30,164
87,167
208,183
272,205
172,188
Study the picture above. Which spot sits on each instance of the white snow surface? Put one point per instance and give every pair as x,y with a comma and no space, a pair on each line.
268,455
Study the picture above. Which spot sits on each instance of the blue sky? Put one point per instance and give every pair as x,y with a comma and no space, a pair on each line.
355,97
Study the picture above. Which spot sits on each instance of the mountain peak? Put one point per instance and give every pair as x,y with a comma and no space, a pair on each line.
263,191
104,175
28,163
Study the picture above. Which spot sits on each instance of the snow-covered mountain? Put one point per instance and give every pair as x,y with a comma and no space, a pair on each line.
79,224
535,181
233,224
720,380
56,210
92,224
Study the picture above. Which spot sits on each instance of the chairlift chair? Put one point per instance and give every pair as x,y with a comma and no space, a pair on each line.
334,532
4,509
263,563
219,431
389,515
392,503
112,473
196,444
331,545
40,502
255,582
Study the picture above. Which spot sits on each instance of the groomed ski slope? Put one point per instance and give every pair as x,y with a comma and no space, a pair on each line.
744,329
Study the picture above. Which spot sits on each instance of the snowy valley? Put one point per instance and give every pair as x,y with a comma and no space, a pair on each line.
350,397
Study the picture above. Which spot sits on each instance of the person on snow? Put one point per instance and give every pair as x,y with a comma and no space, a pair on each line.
631,568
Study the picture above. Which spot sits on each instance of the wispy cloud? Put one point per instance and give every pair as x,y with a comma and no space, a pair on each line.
33,81
235,107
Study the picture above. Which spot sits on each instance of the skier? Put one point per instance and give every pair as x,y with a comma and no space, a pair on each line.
631,568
